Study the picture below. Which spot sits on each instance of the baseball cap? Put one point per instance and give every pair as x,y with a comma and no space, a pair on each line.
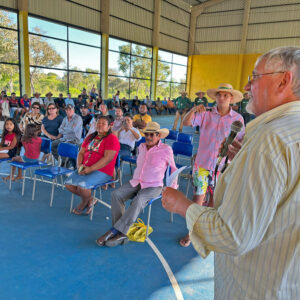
70,106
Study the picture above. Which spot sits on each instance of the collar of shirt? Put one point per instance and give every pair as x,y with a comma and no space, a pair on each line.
290,108
144,146
231,111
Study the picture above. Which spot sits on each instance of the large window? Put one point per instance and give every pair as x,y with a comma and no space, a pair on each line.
129,69
62,58
171,74
9,52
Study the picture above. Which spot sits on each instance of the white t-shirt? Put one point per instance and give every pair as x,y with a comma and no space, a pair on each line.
127,137
39,100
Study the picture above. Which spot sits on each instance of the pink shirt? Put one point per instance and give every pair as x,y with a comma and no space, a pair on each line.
152,164
213,130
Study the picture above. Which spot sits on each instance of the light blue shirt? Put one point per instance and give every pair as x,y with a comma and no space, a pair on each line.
71,130
69,101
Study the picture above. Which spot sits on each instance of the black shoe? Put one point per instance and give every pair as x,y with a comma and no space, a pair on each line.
119,239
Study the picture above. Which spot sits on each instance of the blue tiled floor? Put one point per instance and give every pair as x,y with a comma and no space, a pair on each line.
46,253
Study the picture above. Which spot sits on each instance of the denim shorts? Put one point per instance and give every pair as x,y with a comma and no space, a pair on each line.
29,160
87,181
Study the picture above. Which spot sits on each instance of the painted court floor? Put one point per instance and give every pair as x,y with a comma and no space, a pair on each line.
47,253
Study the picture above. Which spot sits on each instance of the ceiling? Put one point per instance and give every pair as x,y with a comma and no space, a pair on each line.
194,2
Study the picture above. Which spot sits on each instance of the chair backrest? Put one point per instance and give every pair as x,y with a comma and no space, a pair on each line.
118,161
142,140
182,149
185,138
173,135
46,145
68,150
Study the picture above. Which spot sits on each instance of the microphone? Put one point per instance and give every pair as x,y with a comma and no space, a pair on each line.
236,127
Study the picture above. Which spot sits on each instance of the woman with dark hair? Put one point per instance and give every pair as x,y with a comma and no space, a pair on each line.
95,161
98,103
34,117
51,122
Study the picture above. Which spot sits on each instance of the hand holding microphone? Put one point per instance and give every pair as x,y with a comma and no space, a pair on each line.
236,127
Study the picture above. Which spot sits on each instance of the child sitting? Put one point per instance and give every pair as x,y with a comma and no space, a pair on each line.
32,145
10,139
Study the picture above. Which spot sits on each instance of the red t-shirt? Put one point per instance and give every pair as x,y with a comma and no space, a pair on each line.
33,149
8,139
110,142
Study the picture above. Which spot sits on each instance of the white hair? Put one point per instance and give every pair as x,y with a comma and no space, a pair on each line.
284,59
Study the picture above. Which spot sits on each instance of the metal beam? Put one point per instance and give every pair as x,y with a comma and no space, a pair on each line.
196,11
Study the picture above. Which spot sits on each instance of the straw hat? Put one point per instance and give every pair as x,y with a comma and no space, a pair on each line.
183,92
200,92
37,93
226,87
155,127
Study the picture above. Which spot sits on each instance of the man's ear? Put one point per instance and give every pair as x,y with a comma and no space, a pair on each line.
286,81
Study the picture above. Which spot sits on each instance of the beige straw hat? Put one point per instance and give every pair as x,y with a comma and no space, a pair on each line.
226,87
155,127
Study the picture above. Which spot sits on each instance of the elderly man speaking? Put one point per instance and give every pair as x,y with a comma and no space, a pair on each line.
147,182
254,227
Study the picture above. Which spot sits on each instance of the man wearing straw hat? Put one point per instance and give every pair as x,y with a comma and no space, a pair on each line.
183,104
215,126
200,99
147,183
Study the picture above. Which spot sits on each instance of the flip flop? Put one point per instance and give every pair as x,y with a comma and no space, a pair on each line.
89,208
76,211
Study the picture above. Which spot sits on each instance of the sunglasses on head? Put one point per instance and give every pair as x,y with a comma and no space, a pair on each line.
151,134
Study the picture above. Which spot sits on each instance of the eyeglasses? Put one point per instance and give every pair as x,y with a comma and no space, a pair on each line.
254,76
35,107
151,134
51,108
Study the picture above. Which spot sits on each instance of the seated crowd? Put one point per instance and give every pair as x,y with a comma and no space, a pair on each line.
101,137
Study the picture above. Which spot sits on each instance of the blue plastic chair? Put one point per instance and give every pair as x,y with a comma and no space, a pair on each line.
45,148
4,159
98,186
64,150
186,150
185,138
173,135
132,159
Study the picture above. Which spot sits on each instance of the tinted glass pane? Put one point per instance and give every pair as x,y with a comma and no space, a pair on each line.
8,46
45,80
84,58
79,80
165,56
178,73
140,88
8,19
118,64
47,52
118,83
43,27
84,37
9,79
179,59
140,67
119,45
163,89
164,71
176,89
141,50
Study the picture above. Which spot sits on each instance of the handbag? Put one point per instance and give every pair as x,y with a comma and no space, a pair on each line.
137,231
